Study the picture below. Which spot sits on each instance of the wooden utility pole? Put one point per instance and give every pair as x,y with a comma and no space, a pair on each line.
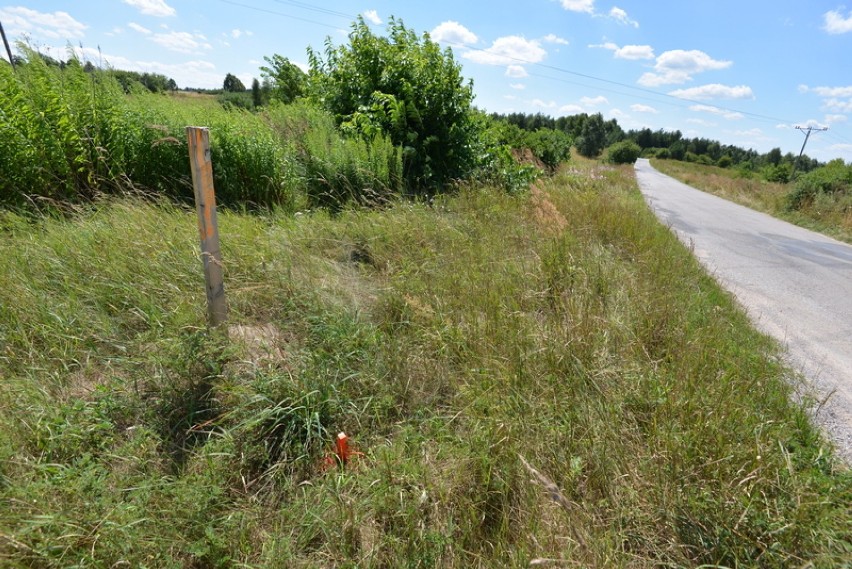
807,130
205,203
6,43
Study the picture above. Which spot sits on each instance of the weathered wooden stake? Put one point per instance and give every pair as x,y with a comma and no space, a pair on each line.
205,203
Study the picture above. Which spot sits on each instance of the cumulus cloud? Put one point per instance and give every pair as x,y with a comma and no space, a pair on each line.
19,20
701,122
621,17
571,109
553,38
643,109
631,52
837,23
138,28
678,66
183,42
157,8
834,119
454,33
518,86
516,72
509,50
828,91
714,91
544,104
594,101
587,6
373,17
730,115
838,105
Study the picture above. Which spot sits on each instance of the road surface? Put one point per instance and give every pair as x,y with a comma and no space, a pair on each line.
795,284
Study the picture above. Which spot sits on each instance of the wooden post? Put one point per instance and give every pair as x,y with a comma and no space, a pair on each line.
205,203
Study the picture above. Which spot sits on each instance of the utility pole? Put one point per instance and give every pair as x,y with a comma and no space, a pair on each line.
6,43
807,130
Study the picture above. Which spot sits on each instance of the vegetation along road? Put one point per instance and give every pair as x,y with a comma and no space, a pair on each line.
795,284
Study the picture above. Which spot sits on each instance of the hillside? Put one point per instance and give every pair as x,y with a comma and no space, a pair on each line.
541,377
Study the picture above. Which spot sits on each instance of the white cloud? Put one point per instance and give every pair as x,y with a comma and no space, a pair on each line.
621,17
587,6
834,119
678,66
182,42
756,132
714,91
836,23
138,28
19,20
453,32
571,109
730,115
842,147
236,33
518,86
701,122
157,8
643,109
509,50
594,101
373,17
516,72
544,104
553,38
631,52
829,91
619,114
838,105
634,52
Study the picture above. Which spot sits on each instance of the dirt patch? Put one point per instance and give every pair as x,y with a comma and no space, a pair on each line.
264,345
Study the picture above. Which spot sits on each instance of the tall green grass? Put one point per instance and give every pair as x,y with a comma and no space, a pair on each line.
448,340
68,135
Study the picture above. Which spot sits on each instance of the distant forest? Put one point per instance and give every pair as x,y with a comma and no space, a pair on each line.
773,166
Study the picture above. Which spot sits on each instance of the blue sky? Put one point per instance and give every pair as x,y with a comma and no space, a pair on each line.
743,72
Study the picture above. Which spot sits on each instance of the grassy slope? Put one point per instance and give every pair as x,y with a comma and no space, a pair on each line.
567,326
826,215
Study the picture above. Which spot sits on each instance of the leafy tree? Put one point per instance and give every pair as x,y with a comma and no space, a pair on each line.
593,136
406,87
256,95
232,84
285,81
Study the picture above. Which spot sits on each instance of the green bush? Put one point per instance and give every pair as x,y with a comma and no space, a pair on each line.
406,88
663,154
550,146
725,161
835,178
624,152
779,173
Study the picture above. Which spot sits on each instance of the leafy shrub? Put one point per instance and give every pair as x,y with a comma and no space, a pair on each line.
407,88
550,146
624,152
835,178
663,154
779,173
725,161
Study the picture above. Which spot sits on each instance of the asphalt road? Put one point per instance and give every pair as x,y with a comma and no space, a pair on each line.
795,284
